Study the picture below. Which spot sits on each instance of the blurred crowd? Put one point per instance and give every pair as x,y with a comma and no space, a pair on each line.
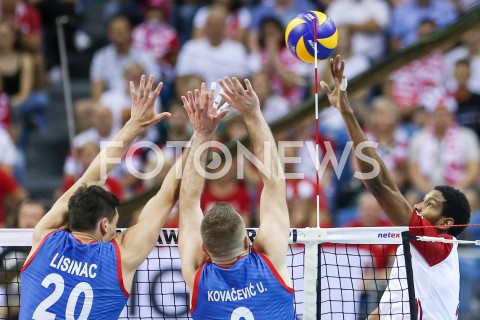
425,116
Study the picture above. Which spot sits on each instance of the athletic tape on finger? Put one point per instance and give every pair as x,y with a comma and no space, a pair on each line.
224,106
344,85
218,99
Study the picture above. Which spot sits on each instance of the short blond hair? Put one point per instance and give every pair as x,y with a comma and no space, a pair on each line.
222,230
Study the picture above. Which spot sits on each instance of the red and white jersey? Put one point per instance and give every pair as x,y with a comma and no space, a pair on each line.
435,274
157,38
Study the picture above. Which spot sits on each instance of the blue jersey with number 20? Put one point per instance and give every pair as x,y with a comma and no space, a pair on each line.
251,289
66,279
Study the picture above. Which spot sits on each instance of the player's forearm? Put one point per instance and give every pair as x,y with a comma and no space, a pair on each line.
110,156
192,180
264,148
383,178
171,183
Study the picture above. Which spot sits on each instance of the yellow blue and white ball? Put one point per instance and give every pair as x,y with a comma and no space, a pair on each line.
299,36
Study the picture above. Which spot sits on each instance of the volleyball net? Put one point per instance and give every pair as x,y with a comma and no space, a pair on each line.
338,273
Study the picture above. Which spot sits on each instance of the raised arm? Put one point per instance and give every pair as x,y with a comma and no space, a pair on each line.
380,183
143,115
138,241
204,120
274,230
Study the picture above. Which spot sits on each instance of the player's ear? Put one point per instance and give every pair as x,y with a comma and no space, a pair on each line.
445,223
103,225
246,242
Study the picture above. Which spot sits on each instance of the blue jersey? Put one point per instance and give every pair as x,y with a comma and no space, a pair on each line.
251,289
65,279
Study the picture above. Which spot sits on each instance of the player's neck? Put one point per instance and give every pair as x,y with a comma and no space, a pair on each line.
85,237
226,262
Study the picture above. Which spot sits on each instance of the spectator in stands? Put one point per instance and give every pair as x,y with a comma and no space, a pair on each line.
407,84
156,36
228,188
286,74
102,130
356,64
443,152
178,126
282,10
407,17
234,129
473,232
468,113
29,212
10,194
369,214
212,56
468,50
86,154
301,194
84,113
49,11
5,114
184,14
128,8
8,152
109,62
273,105
238,21
27,215
368,25
119,100
383,127
188,83
464,5
27,23
17,74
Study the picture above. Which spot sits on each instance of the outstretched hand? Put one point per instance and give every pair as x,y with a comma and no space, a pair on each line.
245,101
143,111
203,117
337,97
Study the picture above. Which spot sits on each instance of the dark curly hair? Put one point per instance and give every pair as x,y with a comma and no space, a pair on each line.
456,206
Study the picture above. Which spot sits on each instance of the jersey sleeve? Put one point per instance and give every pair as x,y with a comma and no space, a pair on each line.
432,252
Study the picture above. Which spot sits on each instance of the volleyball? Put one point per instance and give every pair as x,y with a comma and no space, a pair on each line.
300,36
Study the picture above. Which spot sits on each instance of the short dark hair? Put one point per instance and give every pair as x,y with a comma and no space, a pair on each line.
456,206
464,62
270,20
222,229
88,205
119,17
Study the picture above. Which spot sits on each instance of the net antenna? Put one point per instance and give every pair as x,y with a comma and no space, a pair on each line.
311,285
317,139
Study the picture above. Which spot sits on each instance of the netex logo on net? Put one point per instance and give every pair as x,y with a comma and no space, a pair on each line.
389,235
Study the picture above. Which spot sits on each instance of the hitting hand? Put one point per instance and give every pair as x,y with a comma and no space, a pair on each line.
337,97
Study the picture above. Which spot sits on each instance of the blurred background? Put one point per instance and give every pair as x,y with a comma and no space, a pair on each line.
423,107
